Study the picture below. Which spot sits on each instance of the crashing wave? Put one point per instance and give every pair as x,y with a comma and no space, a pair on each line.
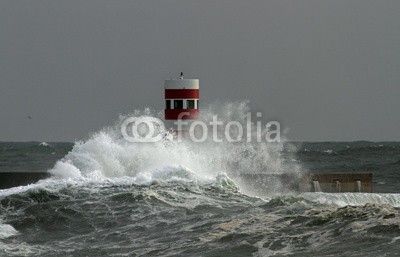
107,154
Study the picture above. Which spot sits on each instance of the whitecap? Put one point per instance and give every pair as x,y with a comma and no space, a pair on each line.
7,230
65,169
353,199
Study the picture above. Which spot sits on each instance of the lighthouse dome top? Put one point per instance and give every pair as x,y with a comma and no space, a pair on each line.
182,84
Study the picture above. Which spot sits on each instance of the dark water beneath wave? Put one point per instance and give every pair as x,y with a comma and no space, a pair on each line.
177,212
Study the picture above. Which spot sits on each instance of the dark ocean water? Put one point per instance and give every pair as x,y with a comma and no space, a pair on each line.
106,198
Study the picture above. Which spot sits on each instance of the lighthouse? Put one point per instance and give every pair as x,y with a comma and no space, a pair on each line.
181,99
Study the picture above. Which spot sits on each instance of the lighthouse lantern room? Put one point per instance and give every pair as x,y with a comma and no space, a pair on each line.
181,99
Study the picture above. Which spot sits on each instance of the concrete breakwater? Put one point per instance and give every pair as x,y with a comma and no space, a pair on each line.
311,182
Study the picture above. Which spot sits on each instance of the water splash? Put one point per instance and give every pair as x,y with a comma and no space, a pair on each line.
106,153
316,185
353,199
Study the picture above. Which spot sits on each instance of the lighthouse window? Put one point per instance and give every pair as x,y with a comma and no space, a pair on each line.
178,104
168,104
197,104
190,104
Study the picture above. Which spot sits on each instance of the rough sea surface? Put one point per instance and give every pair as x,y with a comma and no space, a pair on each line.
109,197
175,212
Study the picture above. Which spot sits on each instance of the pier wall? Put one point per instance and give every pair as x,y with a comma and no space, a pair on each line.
14,179
341,182
311,182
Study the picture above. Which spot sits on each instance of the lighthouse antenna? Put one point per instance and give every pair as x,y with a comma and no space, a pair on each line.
181,77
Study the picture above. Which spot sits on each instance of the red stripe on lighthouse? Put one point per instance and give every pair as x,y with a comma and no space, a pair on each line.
181,93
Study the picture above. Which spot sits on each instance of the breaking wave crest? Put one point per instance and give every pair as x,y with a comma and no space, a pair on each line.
353,199
106,154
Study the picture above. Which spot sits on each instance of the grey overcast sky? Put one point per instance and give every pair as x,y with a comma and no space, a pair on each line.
328,70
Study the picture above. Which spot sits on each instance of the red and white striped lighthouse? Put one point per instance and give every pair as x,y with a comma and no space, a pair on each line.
181,99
